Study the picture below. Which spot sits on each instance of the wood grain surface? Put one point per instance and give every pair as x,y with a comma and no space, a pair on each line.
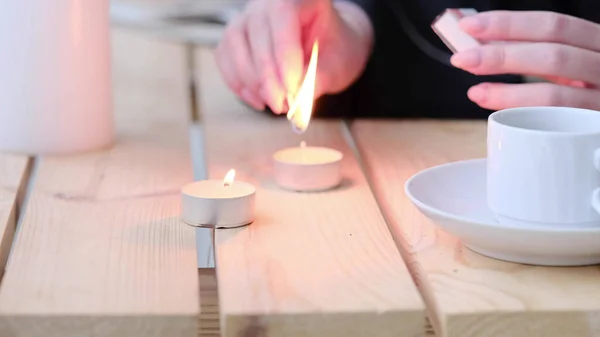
312,264
467,294
101,250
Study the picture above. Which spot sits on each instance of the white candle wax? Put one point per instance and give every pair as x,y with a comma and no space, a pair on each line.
212,203
55,94
307,168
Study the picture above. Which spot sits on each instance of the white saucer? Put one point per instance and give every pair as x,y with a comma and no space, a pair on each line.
454,196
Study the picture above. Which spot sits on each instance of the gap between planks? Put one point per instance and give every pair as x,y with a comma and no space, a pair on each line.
209,306
15,178
204,236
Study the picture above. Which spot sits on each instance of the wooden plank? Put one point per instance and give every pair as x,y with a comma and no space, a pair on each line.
14,175
470,295
312,264
101,250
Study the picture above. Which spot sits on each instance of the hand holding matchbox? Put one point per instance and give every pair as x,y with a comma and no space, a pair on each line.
446,27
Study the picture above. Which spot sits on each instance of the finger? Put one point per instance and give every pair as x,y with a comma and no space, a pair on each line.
227,68
497,96
541,59
284,20
259,36
534,26
231,78
239,48
234,62
253,99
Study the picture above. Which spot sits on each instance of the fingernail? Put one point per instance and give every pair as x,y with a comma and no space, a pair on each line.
477,94
466,59
473,24
251,99
578,84
286,107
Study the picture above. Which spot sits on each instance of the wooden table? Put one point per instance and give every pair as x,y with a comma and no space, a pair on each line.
100,250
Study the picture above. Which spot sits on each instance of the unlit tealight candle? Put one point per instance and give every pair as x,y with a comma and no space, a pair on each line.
218,203
307,168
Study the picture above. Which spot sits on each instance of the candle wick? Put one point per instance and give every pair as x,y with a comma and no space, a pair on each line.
226,184
303,151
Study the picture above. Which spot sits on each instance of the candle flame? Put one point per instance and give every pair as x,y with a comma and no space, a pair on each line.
229,177
302,106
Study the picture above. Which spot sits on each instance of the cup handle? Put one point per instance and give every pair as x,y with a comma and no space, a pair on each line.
596,200
596,193
597,159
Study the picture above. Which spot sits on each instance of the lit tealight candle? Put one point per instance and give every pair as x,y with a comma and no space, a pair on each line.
218,203
307,168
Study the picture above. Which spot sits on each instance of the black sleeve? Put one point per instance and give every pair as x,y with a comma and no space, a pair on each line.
586,9
347,104
367,5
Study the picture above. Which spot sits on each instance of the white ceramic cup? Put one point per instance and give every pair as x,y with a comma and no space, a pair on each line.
543,166
55,76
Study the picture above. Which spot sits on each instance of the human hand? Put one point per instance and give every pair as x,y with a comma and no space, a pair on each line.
265,50
562,49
